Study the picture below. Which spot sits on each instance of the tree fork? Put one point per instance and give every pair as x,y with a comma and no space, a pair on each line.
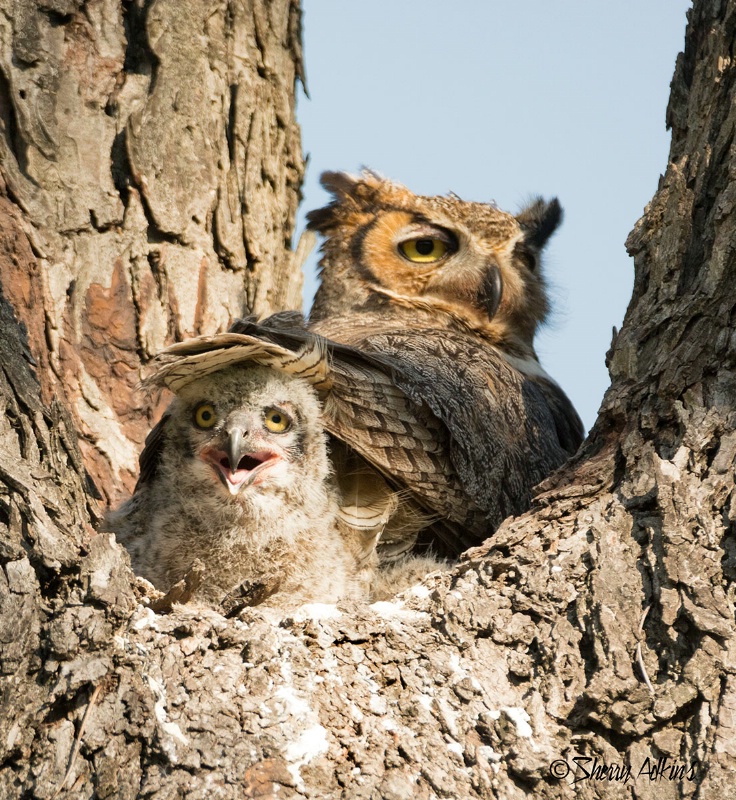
599,626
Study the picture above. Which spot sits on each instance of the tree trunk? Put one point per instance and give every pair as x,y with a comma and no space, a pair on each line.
597,627
152,170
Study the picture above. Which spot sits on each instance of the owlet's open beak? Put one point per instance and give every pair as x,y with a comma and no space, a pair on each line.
237,465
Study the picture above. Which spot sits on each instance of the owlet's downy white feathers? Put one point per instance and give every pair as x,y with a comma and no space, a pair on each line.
237,475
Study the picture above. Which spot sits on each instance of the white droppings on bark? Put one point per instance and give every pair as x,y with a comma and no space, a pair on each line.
293,704
521,719
146,620
310,744
171,729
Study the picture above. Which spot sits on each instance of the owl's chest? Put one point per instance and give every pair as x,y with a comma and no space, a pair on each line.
235,547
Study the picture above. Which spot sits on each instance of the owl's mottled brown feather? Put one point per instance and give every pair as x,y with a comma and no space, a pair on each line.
439,418
455,318
363,407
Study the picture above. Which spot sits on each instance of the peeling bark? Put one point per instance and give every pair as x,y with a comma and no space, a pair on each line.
152,162
599,625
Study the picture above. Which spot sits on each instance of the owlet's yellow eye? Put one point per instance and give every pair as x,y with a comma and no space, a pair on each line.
276,421
205,416
423,250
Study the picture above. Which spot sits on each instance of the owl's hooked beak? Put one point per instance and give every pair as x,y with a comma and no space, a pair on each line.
236,466
234,448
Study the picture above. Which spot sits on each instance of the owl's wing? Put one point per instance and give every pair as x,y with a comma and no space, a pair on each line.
446,418
568,425
376,412
365,408
184,362
405,441
506,431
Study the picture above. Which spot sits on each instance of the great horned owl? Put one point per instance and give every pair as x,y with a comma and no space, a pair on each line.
237,475
449,295
430,453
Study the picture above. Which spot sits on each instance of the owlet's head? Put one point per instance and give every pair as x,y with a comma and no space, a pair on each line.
250,430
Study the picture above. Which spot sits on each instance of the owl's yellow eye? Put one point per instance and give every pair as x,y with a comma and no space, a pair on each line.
276,420
423,250
205,415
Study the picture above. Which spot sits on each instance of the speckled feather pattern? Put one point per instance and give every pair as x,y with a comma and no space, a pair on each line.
459,335
283,534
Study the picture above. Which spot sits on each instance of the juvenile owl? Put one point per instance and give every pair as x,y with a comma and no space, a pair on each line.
449,295
237,475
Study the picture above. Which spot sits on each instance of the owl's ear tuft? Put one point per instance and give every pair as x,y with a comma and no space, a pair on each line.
539,220
339,184
349,193
342,187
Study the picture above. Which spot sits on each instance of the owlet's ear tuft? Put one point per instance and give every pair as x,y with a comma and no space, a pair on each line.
539,220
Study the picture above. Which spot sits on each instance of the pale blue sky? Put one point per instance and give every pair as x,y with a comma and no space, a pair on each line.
500,101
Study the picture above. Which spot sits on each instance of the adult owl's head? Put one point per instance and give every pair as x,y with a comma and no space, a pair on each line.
472,261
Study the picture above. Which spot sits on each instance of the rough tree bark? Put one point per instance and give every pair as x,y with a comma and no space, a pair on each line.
598,625
152,168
